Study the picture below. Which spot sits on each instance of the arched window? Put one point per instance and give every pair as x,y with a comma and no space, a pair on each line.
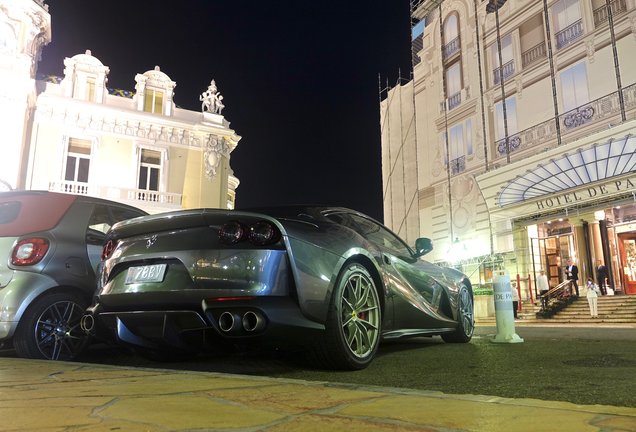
451,36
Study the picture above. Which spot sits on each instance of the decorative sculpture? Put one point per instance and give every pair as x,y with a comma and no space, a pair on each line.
211,100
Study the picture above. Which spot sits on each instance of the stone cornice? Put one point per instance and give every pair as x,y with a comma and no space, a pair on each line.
132,124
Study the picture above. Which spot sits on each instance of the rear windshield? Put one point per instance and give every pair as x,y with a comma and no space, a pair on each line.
9,211
27,213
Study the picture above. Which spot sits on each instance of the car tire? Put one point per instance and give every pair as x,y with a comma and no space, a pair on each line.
465,318
353,327
50,328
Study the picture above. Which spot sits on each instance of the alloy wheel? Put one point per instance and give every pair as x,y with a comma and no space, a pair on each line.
57,331
466,313
360,314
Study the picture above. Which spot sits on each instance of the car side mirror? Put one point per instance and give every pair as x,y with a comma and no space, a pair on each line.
423,246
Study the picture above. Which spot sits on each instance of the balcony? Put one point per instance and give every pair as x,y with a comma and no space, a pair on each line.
145,199
454,100
569,34
591,117
458,165
535,53
601,15
507,71
451,48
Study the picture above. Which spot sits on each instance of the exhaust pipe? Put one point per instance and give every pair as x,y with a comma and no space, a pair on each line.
228,322
87,323
253,322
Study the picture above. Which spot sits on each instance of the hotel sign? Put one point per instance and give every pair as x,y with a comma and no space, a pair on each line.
588,194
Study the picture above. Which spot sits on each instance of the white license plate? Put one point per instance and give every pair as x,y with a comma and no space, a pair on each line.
147,273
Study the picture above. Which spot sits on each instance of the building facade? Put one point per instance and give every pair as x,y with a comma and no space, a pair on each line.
73,134
511,146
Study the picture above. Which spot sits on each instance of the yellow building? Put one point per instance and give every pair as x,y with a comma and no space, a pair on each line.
73,134
511,146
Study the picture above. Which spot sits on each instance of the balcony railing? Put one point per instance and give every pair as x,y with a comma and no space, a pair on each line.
454,100
569,34
507,70
161,199
533,54
601,15
596,112
451,48
458,165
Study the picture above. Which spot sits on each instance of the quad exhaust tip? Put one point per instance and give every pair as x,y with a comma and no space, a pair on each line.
232,322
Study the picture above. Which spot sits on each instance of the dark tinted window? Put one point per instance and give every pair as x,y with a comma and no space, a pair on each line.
373,232
9,211
120,213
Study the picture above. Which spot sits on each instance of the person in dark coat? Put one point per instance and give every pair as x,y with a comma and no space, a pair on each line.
601,276
572,272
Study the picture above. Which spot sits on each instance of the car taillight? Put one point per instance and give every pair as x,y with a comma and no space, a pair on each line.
108,249
260,233
232,232
263,233
29,251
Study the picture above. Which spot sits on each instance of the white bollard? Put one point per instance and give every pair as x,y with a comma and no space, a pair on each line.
503,310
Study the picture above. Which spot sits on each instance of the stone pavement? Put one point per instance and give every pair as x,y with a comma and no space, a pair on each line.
51,396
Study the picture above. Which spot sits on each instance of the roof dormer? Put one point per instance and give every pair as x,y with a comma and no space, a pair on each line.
85,78
154,92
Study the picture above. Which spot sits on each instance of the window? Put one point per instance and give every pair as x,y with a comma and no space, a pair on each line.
90,89
507,59
78,160
469,137
450,28
568,25
149,170
574,87
511,117
451,37
454,85
460,145
456,142
373,232
153,102
566,13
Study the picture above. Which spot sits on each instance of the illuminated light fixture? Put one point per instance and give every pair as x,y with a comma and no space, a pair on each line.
560,219
617,207
549,222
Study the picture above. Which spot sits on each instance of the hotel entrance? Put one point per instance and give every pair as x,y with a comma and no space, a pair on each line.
627,246
551,244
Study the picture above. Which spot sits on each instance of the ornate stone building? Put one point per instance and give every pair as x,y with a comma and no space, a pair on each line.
73,134
512,143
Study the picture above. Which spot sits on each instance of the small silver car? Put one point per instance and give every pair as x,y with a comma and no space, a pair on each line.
50,247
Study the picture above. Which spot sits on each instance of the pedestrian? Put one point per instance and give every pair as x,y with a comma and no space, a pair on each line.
572,272
601,276
543,285
515,299
592,297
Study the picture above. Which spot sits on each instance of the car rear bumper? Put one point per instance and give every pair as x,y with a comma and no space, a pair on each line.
275,320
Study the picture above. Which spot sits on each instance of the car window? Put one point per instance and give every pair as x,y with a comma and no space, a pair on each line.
121,213
100,220
9,211
374,232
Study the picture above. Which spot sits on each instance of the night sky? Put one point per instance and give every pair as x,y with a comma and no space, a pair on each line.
299,80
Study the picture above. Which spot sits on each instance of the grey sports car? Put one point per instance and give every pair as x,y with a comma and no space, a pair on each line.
330,280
